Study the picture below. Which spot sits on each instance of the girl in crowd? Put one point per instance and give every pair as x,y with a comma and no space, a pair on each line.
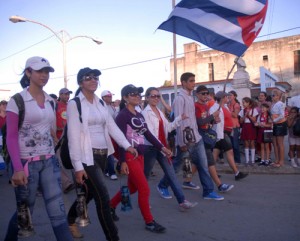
89,146
279,127
248,135
133,125
264,122
294,141
31,150
160,127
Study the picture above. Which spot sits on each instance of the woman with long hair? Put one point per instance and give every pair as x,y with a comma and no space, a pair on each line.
31,148
89,146
279,127
160,127
133,125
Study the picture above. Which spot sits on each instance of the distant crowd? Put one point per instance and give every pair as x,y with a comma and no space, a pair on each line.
107,138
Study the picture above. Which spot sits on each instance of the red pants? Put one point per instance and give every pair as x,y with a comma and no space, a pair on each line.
136,182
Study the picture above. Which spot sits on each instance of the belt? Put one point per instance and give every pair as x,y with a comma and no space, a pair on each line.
101,152
39,158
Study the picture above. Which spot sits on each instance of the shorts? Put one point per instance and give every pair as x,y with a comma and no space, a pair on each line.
280,129
210,157
224,144
294,141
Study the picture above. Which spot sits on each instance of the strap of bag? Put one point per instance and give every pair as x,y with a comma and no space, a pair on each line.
21,106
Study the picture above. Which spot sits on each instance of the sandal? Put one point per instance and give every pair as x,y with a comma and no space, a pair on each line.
276,164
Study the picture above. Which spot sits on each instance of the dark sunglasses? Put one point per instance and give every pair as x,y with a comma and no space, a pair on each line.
154,96
203,93
89,78
134,94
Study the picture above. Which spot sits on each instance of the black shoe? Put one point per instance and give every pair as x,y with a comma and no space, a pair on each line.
155,227
258,159
114,215
240,176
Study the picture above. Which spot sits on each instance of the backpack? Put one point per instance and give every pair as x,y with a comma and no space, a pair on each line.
21,106
63,143
296,128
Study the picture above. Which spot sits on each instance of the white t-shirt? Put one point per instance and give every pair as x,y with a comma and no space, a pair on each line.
35,134
253,112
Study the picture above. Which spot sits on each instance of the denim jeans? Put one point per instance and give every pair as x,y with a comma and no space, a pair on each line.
151,154
96,189
235,140
110,169
46,175
199,159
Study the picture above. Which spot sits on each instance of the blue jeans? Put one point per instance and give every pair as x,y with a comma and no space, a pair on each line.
235,141
110,168
199,159
151,154
46,175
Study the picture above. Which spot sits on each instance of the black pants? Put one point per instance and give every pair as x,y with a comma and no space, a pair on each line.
97,191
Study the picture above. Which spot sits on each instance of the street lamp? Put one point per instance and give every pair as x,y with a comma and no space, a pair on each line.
62,39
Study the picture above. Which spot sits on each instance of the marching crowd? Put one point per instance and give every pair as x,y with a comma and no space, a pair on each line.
135,134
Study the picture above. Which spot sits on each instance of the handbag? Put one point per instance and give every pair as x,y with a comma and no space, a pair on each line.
268,136
209,137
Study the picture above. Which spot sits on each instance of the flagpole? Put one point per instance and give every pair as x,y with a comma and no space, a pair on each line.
174,57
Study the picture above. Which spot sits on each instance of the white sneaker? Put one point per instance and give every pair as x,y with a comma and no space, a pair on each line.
293,163
113,177
186,205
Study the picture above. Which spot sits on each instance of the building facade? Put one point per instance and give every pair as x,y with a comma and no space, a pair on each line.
280,56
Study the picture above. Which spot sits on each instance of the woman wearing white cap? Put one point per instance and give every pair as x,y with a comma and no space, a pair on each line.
31,148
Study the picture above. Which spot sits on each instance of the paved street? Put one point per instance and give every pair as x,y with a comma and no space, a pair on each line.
262,207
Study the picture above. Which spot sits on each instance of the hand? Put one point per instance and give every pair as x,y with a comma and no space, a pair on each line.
124,168
256,124
133,151
167,151
19,179
80,176
216,113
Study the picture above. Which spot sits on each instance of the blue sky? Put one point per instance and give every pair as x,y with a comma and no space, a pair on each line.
128,32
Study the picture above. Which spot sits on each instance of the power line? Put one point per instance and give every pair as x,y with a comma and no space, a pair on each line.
142,61
26,48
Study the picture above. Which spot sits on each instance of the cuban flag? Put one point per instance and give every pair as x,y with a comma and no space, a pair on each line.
226,25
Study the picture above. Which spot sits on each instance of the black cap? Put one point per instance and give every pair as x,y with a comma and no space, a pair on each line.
86,71
131,89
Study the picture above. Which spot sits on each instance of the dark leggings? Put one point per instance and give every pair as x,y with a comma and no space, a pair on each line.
97,191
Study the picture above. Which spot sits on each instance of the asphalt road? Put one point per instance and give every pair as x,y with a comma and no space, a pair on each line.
261,207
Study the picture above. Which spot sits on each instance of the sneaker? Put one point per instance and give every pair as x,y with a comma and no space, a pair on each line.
262,163
113,177
186,205
114,215
107,174
240,176
164,192
190,185
293,163
155,227
225,187
213,196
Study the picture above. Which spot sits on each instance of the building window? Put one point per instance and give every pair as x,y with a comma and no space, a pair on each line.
211,76
297,62
265,58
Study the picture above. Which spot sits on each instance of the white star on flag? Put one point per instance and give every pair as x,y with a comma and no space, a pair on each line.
257,27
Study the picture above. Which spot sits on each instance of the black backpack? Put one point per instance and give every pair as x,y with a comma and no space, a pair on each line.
63,143
21,106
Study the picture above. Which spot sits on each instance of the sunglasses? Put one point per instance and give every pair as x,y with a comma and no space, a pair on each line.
89,78
134,94
154,96
203,93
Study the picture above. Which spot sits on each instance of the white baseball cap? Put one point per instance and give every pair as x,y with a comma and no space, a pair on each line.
38,63
106,93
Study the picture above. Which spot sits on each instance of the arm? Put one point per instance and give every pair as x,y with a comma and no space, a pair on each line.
178,111
236,110
74,135
121,122
166,106
280,109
